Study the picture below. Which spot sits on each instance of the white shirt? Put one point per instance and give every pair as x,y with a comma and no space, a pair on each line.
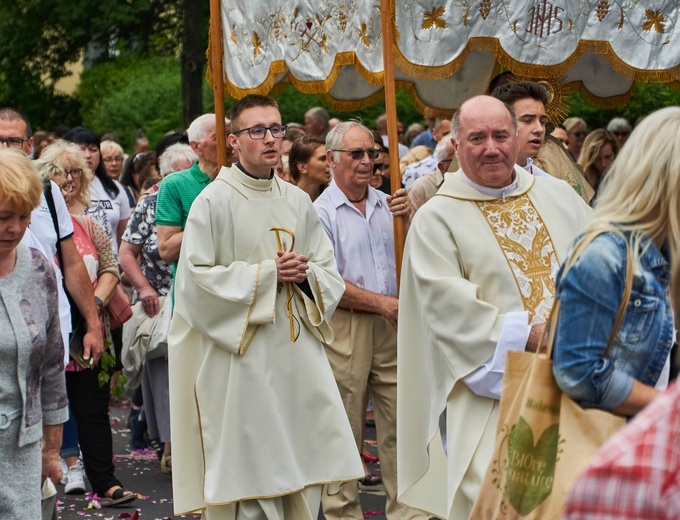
364,245
117,209
535,170
42,236
403,149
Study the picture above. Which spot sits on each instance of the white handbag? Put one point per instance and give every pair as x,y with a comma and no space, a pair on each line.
158,342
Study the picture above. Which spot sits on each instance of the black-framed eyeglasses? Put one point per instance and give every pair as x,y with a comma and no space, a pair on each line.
358,154
258,132
75,172
13,142
379,167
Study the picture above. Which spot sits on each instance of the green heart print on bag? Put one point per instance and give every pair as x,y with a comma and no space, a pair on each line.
530,468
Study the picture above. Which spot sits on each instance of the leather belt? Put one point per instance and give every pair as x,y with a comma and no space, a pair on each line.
356,311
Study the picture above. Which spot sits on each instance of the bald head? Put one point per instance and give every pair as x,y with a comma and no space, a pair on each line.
476,105
484,133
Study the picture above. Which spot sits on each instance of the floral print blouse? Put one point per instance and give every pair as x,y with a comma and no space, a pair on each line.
141,230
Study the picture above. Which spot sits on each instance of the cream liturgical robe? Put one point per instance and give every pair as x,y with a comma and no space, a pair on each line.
469,261
255,411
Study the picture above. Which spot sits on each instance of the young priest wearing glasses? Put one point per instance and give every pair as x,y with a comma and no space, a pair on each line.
257,420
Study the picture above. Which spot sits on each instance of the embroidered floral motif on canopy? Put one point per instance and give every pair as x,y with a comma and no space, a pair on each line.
446,50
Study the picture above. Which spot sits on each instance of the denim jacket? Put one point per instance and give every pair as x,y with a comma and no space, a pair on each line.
590,295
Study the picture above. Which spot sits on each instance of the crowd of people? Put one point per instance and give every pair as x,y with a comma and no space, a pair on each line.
287,318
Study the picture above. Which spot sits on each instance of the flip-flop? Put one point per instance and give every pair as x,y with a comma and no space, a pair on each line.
118,498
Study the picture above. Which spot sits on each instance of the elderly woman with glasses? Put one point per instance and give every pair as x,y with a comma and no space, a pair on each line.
33,402
89,425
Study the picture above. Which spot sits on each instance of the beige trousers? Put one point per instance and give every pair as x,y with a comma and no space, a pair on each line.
364,355
303,505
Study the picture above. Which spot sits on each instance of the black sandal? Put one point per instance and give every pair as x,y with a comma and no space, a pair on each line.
371,480
118,498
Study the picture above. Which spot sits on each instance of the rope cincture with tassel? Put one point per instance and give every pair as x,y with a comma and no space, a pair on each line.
294,324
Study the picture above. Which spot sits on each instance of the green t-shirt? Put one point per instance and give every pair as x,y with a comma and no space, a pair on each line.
175,197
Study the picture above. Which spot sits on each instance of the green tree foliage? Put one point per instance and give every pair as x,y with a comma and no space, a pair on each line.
646,98
133,95
38,38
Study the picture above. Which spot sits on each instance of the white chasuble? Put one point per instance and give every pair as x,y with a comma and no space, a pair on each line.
470,259
255,411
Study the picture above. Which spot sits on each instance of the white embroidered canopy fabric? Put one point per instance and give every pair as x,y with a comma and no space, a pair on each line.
447,50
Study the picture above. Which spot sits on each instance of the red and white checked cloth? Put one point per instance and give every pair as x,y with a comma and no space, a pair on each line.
636,474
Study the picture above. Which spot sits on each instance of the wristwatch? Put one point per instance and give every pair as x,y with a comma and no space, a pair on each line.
98,302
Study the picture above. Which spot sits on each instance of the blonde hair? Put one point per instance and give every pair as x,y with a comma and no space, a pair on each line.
112,147
48,170
20,184
66,154
571,122
590,154
641,192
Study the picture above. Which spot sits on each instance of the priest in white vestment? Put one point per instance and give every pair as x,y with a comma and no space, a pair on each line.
477,280
258,425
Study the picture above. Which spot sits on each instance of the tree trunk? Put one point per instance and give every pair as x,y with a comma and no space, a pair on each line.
192,61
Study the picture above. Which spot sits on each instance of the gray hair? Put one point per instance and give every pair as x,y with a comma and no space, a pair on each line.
444,148
201,126
337,135
172,155
415,126
619,125
318,114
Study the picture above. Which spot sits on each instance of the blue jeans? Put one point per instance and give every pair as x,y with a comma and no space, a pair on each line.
69,441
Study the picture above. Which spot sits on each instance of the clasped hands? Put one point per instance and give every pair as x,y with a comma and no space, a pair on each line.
291,267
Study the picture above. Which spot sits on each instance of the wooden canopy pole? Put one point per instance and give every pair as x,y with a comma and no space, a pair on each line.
392,134
217,66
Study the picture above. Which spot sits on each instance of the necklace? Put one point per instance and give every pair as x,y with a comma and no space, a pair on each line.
359,200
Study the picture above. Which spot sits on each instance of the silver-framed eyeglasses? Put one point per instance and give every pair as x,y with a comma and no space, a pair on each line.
13,142
258,132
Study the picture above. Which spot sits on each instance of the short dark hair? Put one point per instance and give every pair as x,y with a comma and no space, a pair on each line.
514,91
293,133
301,152
503,78
11,114
81,135
250,101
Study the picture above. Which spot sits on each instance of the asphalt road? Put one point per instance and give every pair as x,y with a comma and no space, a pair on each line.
140,472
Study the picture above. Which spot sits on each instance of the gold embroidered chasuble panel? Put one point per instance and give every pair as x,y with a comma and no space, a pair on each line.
528,249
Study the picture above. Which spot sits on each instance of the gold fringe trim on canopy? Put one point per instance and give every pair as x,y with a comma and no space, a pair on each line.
601,102
321,88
